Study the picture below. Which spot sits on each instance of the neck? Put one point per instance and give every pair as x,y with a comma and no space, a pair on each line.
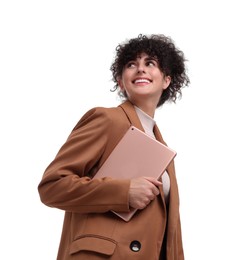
146,107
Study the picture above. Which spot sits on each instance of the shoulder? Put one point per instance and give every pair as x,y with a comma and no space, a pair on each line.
108,116
107,112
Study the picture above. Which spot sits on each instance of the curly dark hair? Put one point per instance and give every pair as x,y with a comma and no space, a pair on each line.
171,62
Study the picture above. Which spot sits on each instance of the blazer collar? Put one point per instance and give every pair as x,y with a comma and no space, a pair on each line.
132,116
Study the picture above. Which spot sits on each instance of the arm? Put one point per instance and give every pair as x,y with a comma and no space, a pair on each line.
65,183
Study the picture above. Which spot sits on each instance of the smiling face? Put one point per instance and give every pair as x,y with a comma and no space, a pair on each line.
143,81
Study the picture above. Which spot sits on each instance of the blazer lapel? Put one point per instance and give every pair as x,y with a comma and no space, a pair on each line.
173,213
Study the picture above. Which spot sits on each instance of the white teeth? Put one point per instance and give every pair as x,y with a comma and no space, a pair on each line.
142,81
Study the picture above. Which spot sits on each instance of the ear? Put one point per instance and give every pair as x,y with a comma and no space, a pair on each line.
167,81
120,83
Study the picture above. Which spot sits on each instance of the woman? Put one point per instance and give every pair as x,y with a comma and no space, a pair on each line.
147,71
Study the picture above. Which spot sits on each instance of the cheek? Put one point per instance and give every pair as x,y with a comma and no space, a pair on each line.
127,74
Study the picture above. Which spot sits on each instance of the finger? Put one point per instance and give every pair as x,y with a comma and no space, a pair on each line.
155,190
152,196
153,180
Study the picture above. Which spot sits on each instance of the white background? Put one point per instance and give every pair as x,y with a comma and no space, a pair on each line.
55,58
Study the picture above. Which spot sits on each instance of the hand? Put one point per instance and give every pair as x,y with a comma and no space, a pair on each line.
142,191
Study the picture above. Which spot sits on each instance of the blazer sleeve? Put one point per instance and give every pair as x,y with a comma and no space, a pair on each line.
66,183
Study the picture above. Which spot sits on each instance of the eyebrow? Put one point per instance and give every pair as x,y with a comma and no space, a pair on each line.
151,58
146,59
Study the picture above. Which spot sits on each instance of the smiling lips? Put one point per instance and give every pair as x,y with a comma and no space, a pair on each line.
142,80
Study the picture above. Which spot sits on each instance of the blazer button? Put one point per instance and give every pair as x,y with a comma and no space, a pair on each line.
135,246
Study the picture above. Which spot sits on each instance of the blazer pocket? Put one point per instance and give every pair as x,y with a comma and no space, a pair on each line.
97,244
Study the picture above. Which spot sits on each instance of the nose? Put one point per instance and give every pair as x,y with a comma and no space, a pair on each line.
141,68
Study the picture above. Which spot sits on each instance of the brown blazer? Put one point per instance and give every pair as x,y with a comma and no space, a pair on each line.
90,230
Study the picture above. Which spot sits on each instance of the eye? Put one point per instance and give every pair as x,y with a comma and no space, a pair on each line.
151,63
130,64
